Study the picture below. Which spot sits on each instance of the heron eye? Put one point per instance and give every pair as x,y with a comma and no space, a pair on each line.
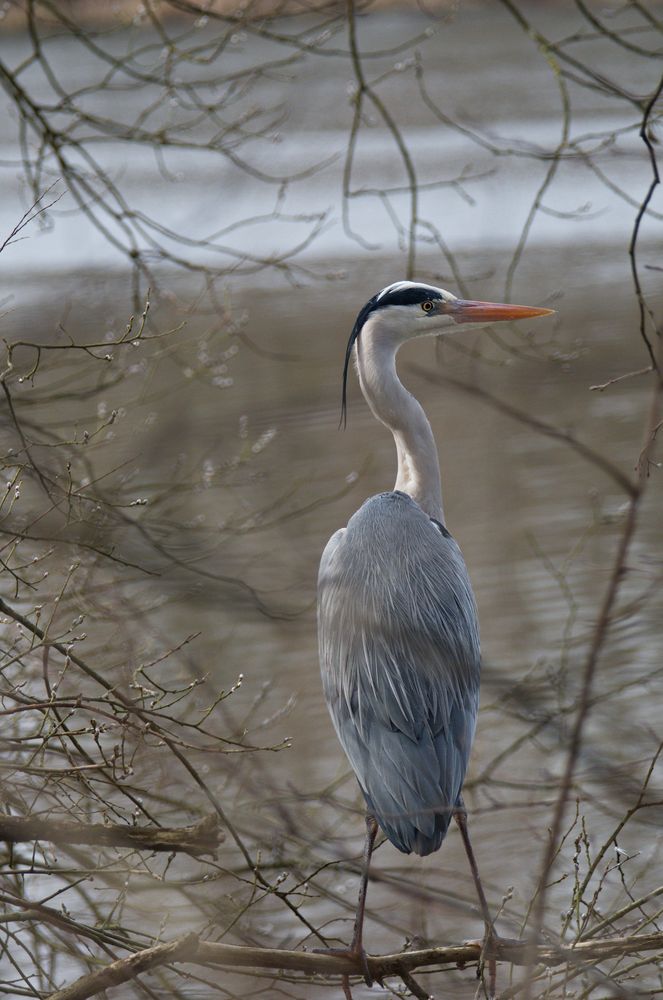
427,306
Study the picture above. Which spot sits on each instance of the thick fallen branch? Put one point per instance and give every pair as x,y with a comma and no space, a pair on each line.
189,949
201,838
126,969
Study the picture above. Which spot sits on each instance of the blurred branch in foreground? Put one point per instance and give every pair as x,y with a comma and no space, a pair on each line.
190,949
199,839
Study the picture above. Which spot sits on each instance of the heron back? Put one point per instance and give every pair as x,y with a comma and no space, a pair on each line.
400,662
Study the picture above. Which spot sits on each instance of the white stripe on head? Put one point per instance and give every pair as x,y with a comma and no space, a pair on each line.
400,286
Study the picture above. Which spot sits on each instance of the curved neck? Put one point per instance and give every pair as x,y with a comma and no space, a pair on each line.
394,406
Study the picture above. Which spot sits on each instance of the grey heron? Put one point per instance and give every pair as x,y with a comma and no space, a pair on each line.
397,621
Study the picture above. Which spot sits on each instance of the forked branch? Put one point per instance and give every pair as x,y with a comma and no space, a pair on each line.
189,949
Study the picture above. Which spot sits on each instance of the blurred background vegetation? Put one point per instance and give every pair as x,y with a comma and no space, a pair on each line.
198,199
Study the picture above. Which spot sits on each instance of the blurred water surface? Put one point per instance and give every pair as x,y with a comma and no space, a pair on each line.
537,523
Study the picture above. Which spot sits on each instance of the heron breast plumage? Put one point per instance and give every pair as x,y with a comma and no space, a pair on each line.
400,660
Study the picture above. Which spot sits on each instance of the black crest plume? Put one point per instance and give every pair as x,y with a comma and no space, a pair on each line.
356,330
401,293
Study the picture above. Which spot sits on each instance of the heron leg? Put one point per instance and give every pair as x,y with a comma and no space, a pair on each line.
356,949
357,936
460,815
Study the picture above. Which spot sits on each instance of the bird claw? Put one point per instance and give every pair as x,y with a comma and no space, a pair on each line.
487,946
483,944
492,941
368,978
354,953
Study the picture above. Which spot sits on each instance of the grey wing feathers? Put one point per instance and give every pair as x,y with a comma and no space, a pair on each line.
400,661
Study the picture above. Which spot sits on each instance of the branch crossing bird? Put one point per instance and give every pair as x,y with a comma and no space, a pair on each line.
397,621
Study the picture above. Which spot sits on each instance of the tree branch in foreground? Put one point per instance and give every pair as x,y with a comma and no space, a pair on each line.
126,969
200,838
189,949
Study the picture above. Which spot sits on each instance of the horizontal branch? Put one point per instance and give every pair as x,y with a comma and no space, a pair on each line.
202,837
189,949
549,430
514,952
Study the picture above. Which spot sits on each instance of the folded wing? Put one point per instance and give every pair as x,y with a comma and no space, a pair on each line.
400,661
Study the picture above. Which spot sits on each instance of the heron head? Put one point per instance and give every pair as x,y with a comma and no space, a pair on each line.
409,309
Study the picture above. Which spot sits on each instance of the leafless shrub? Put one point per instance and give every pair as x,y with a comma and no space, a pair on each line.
145,819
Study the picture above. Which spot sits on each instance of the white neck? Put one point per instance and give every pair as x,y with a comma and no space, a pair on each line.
394,406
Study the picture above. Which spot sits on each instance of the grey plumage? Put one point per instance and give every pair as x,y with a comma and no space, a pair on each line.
400,661
397,622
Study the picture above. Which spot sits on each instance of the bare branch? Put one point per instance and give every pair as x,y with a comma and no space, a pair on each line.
189,949
126,969
199,839
549,430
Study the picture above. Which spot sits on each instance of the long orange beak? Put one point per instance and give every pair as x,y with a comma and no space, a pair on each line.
468,311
